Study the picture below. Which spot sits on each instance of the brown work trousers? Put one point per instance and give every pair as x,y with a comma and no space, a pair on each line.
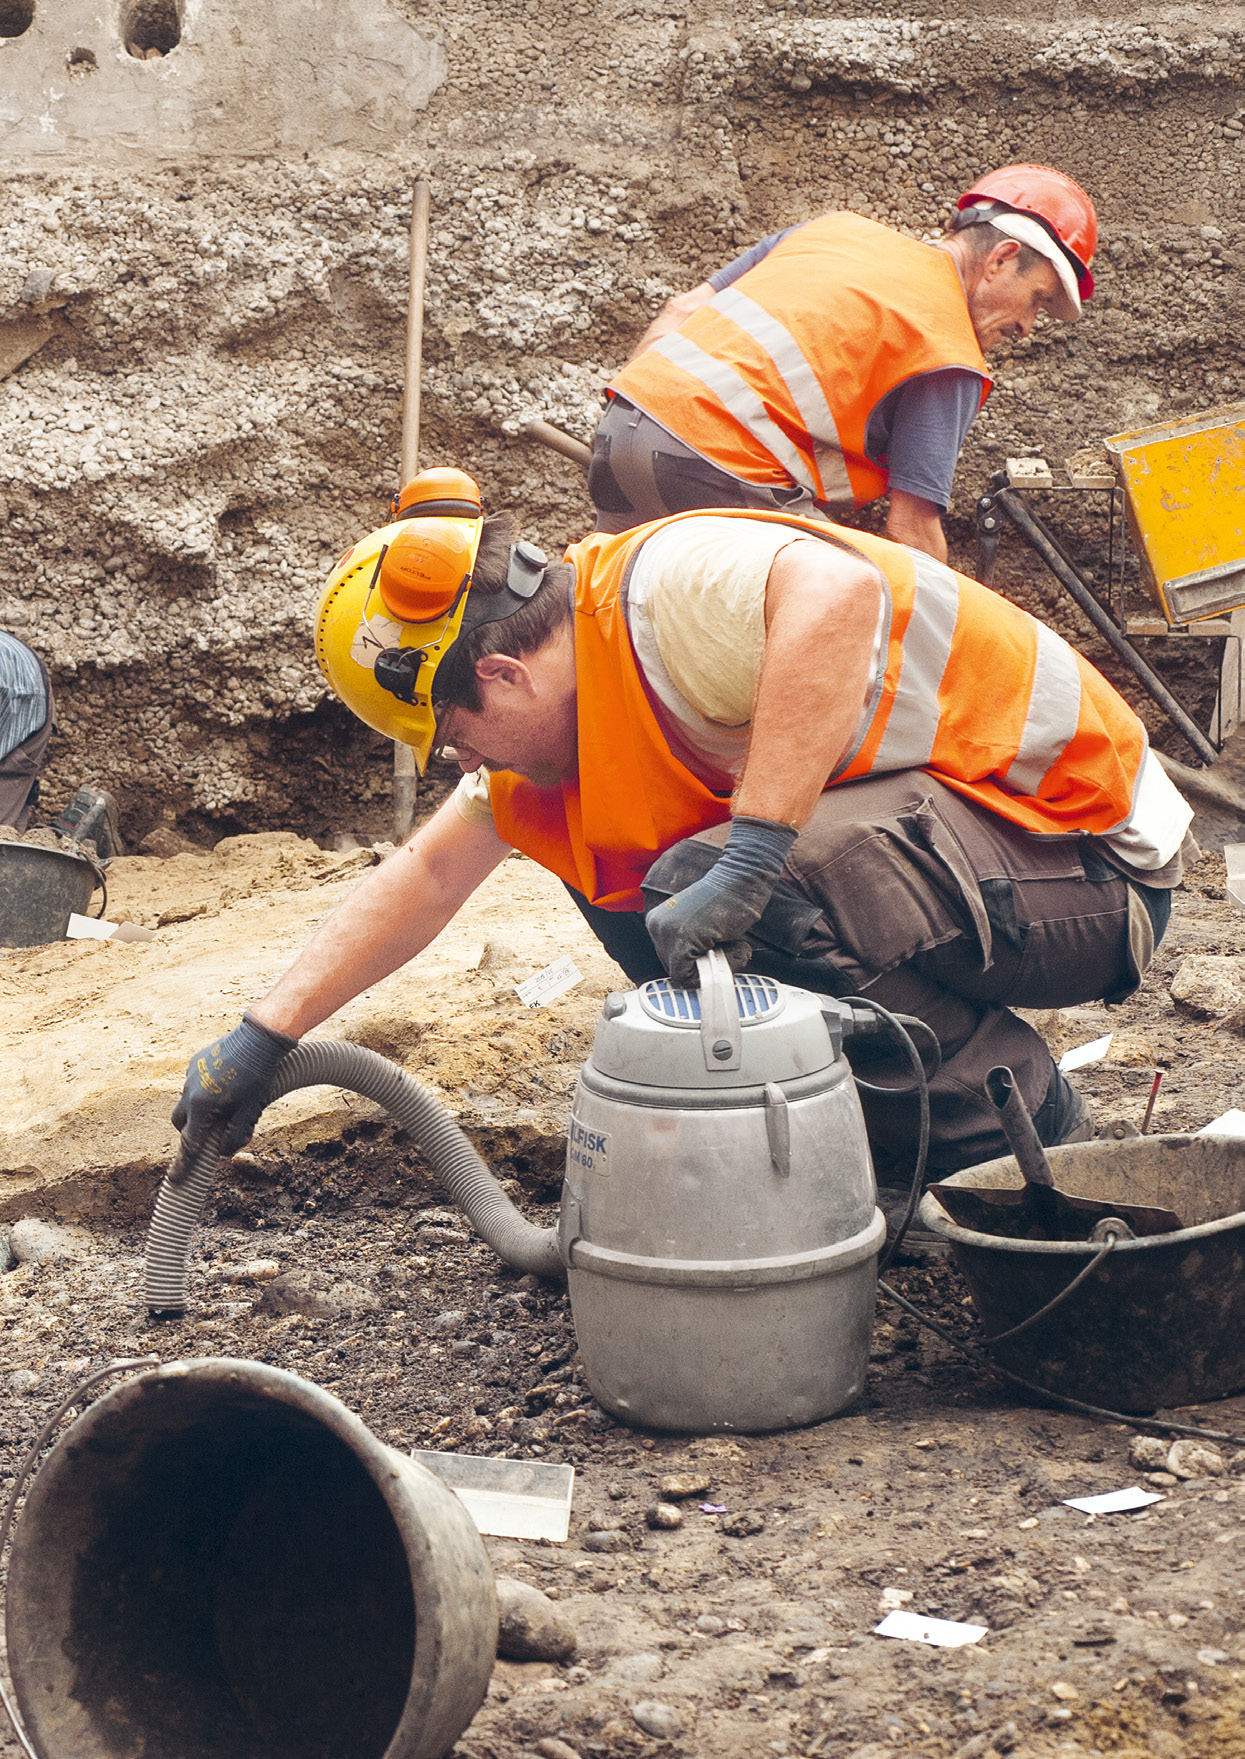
900,890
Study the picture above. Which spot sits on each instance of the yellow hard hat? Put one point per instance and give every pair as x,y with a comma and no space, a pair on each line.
395,605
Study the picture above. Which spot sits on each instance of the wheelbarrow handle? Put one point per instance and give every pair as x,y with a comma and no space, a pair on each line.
1004,1096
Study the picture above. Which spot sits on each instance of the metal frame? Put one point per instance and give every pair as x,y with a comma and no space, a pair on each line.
1002,502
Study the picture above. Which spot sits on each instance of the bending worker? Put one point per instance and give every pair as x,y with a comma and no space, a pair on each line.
776,736
840,360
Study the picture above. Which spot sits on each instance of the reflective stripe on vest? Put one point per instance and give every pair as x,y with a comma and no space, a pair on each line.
967,685
744,404
777,375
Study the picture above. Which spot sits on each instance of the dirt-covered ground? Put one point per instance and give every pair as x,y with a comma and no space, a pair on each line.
748,1628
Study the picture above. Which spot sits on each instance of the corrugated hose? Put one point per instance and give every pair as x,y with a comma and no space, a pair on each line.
454,1161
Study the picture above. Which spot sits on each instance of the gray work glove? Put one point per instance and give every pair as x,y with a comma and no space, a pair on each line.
227,1084
719,909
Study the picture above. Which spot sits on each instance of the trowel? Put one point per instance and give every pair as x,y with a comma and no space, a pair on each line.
1040,1210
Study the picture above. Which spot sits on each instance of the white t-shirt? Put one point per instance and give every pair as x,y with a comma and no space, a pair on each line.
696,615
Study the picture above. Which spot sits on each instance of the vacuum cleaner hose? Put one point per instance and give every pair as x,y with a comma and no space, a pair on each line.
455,1162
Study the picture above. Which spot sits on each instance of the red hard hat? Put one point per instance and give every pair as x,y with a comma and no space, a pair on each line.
1052,197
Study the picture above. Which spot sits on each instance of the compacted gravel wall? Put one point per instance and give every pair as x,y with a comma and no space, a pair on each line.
214,412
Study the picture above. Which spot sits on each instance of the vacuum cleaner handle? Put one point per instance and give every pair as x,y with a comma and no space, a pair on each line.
721,1030
1004,1096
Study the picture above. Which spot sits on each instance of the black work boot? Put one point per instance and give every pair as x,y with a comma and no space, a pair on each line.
91,816
1064,1115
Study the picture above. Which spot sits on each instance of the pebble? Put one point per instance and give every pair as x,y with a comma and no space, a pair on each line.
1189,1458
530,1627
676,1486
6,1253
600,1540
32,1241
742,1524
662,1721
550,1747
1213,1657
313,1293
1149,1451
710,1624
1162,1480
255,1270
22,1381
664,1514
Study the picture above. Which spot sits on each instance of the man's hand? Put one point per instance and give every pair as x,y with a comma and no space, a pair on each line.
227,1083
718,910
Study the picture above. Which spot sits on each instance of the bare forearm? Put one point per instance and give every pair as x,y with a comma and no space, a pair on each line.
917,523
392,916
814,681
676,311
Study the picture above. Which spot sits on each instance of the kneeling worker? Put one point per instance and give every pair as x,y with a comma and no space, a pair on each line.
839,360
747,731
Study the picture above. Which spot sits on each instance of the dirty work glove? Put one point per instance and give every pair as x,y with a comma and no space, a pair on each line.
227,1083
719,909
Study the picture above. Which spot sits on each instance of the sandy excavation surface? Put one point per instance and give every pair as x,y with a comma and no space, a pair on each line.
747,1629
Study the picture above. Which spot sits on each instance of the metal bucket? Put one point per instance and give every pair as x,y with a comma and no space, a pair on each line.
39,889
1162,1321
218,1561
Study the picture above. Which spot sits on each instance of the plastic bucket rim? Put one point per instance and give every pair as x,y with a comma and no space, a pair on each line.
934,1216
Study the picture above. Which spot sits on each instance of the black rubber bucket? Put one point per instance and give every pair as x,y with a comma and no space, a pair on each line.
39,890
1162,1321
219,1561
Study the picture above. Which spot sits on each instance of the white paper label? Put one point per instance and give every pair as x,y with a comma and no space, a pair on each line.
1113,1502
92,928
941,1633
549,984
1234,857
1093,1052
1229,1123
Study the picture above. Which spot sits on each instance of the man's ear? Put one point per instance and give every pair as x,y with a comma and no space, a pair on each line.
503,669
1000,257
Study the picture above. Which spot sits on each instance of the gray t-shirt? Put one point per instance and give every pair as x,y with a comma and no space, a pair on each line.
918,430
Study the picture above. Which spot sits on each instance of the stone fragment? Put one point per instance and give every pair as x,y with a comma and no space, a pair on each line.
1149,1452
676,1486
255,1270
550,1747
742,1524
530,1626
313,1293
1210,984
1213,1657
1066,1692
711,1625
664,1514
662,1721
1161,1480
891,1599
23,1381
606,1541
32,1241
1190,1458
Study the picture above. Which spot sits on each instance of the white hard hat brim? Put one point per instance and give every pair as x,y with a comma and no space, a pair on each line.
1066,303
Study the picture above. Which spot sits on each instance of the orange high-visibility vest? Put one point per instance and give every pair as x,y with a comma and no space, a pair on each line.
967,685
776,377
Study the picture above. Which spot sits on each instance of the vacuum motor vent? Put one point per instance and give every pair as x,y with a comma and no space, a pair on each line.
757,998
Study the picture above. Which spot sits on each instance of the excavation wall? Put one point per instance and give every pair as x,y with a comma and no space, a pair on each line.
203,291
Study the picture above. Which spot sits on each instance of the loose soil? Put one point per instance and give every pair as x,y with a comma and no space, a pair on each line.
1122,1635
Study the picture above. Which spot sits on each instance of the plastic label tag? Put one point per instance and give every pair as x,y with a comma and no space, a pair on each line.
1093,1052
941,1633
1113,1502
549,984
